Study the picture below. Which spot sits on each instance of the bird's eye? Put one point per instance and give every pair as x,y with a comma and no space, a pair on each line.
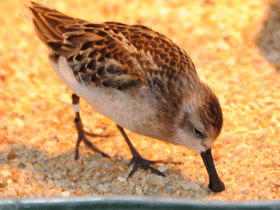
198,133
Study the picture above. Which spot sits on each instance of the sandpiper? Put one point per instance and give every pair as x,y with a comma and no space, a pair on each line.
134,76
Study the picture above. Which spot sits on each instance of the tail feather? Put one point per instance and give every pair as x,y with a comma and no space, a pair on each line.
52,26
45,26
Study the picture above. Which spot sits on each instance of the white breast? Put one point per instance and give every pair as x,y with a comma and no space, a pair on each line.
133,111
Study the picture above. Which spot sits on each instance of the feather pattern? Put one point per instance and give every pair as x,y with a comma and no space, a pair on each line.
132,74
113,54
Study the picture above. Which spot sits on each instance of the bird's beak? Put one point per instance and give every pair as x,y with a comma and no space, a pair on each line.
215,184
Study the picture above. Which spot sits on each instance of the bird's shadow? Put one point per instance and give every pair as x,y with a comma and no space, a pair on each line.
62,171
268,40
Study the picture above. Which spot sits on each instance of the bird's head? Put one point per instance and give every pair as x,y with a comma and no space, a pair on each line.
198,125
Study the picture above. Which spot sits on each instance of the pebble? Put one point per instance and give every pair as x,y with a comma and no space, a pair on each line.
98,131
105,165
65,194
102,188
5,173
139,191
131,183
244,190
186,186
3,184
238,150
85,188
194,186
261,133
170,188
11,155
121,179
97,155
163,168
22,165
159,181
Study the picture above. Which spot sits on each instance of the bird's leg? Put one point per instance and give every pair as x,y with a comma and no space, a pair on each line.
138,160
80,129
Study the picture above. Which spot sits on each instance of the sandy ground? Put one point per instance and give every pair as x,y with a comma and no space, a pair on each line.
235,47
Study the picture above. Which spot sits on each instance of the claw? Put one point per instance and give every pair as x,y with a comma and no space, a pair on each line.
140,162
80,129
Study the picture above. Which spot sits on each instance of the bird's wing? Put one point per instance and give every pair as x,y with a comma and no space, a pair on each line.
112,54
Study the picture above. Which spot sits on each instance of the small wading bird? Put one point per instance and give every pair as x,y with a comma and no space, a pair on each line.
136,77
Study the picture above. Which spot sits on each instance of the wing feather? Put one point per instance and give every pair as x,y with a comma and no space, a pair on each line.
113,55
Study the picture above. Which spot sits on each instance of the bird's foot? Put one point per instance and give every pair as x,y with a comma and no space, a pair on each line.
82,137
139,162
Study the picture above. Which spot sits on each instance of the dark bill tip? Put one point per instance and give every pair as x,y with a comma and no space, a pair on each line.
215,184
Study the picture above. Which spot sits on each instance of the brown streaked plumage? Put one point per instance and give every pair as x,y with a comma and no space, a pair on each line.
135,76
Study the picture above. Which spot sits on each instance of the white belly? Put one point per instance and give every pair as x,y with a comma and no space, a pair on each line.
136,112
